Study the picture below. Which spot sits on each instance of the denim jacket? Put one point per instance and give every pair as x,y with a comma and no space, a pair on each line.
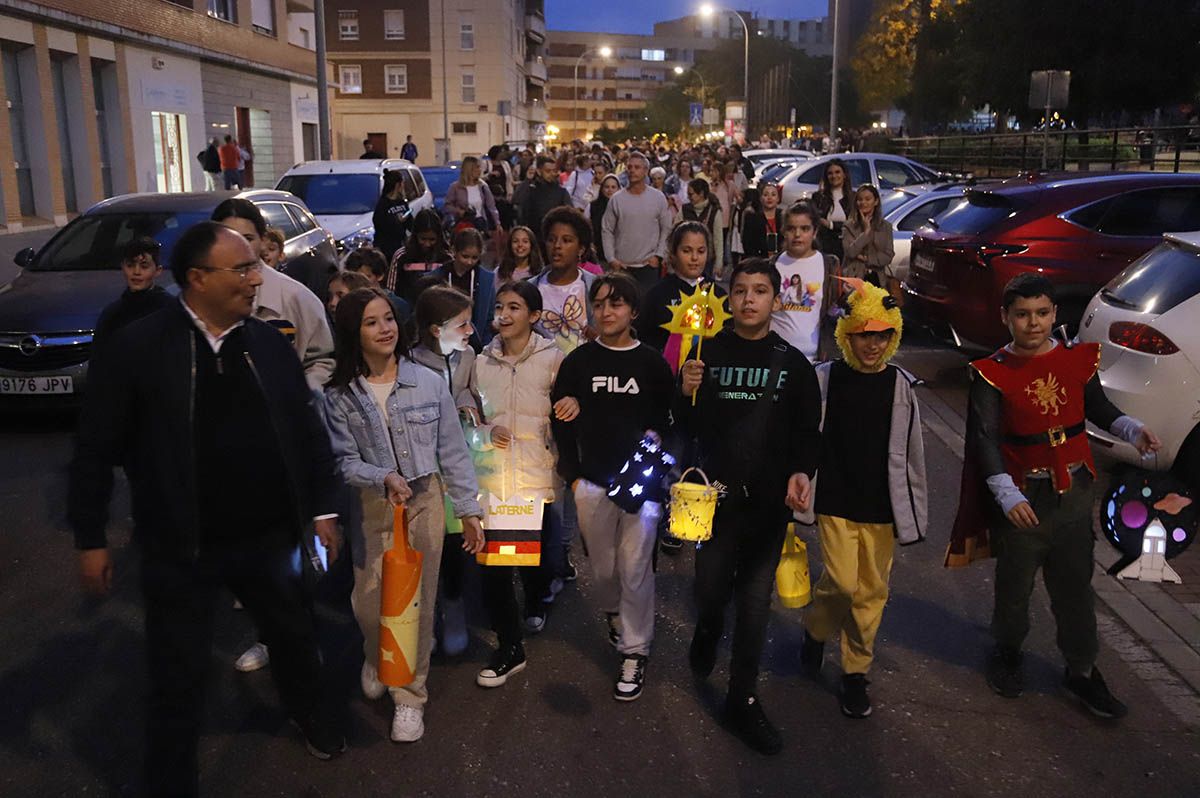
424,429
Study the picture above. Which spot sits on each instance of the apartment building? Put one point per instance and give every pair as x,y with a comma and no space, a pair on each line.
106,97
813,36
456,75
614,89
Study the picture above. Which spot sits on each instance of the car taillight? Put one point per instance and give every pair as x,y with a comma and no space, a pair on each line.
1141,338
985,252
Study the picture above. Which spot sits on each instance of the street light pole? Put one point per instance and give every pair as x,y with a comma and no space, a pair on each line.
445,93
708,11
833,88
604,52
324,148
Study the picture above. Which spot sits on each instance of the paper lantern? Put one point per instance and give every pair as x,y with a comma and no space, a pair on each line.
400,606
792,580
640,475
514,530
692,508
1150,517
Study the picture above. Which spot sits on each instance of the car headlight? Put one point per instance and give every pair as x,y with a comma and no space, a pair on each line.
359,238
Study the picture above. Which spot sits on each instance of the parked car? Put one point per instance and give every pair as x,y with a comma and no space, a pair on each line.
342,194
439,179
913,207
768,171
758,156
48,313
1079,230
884,171
1145,321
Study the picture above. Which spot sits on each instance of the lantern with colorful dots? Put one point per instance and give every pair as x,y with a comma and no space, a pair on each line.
1149,517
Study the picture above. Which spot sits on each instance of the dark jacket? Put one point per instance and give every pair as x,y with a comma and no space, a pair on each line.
210,160
596,210
538,201
754,235
139,412
129,307
391,221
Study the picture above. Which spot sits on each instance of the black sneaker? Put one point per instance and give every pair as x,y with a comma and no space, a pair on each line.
1093,692
631,677
1004,672
614,632
812,654
746,719
855,701
671,545
504,663
321,740
702,655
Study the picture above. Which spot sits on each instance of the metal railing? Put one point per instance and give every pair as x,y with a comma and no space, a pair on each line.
1156,149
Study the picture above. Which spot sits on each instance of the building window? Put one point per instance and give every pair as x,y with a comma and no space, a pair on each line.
393,24
223,9
463,128
654,55
262,16
466,36
395,78
350,78
468,88
348,26
305,40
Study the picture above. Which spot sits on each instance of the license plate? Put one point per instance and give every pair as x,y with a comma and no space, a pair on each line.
36,385
923,262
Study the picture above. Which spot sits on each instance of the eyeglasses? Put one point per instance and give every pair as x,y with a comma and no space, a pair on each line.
242,271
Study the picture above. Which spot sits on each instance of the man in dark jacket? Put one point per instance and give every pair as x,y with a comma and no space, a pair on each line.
210,162
228,462
543,195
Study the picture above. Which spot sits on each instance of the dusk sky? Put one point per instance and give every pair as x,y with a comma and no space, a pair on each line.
638,16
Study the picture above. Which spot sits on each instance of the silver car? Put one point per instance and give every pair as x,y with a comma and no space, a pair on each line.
883,171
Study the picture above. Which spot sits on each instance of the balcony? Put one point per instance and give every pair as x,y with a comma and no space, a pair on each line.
535,70
536,112
535,27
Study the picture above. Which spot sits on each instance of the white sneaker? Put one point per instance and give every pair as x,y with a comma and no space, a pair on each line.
454,627
255,658
369,680
408,724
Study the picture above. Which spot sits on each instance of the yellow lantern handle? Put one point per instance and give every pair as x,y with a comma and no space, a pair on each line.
699,346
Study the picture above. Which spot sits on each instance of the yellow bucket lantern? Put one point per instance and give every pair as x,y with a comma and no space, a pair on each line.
792,580
692,508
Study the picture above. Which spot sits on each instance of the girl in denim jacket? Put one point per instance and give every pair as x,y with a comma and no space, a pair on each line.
397,438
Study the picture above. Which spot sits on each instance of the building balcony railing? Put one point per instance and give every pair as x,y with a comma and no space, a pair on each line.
535,70
535,27
536,112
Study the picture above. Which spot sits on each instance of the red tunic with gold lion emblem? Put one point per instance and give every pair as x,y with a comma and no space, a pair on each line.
1043,421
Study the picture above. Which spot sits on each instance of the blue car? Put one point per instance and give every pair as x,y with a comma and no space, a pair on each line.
439,180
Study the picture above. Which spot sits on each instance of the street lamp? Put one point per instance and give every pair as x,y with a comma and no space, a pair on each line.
603,52
707,10
833,87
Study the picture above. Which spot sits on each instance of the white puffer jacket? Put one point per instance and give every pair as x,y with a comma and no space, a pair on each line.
516,394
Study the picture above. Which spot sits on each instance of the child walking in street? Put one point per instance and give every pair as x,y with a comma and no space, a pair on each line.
624,391
755,424
140,267
514,461
424,253
1028,448
397,439
479,284
444,330
688,249
809,287
872,490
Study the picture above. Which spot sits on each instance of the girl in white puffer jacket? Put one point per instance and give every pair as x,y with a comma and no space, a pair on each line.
515,459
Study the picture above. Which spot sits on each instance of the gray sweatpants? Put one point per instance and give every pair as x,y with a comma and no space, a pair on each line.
369,540
620,550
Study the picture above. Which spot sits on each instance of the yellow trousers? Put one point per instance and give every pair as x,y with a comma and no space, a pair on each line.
853,588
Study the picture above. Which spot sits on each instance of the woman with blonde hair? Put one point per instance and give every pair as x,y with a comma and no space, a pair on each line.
469,198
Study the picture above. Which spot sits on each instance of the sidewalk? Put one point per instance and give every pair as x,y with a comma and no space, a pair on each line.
1166,617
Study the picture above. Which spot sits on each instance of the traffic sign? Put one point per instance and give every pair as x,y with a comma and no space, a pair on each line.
695,114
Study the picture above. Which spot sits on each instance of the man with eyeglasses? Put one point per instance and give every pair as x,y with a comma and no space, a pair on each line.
228,462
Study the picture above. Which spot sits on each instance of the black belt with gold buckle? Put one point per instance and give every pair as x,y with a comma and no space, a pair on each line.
1055,436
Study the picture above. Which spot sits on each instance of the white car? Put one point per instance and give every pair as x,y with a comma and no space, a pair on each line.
884,171
759,157
342,194
1145,323
911,208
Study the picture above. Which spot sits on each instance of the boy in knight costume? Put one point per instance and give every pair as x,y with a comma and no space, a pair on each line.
871,490
1027,444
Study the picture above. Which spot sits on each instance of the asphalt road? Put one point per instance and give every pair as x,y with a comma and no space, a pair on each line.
72,680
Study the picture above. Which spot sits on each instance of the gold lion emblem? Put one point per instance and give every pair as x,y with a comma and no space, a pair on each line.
1047,394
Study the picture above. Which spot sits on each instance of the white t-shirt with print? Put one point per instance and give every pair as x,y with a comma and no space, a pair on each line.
802,283
564,313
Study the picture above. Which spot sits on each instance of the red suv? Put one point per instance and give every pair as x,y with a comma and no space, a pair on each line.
1079,230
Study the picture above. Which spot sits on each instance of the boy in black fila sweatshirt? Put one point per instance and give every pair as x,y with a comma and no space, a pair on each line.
624,390
756,422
